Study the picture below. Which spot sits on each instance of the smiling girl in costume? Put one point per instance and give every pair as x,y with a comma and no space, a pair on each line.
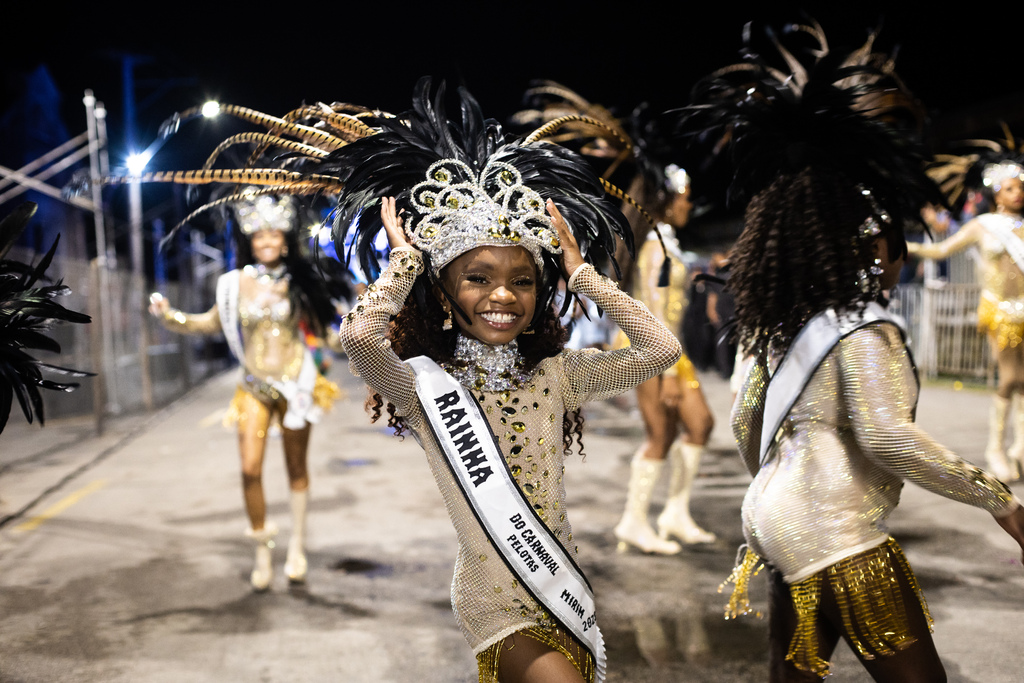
459,338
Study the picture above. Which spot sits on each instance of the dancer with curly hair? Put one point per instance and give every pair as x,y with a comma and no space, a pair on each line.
262,309
459,338
825,417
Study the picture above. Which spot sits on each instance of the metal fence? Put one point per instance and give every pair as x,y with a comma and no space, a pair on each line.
112,346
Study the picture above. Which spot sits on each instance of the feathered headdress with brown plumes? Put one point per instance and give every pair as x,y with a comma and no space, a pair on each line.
637,143
963,168
822,108
397,159
28,309
280,156
361,155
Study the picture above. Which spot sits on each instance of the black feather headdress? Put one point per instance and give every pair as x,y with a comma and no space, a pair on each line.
824,109
27,310
396,160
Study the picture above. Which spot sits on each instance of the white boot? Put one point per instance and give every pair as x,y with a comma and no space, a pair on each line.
675,519
634,529
1015,454
263,567
995,453
295,565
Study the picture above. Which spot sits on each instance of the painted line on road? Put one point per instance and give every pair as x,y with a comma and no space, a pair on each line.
60,506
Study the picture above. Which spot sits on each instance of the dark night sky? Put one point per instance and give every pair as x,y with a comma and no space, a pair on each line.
964,66
372,53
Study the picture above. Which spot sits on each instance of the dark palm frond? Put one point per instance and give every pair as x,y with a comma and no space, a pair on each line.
28,309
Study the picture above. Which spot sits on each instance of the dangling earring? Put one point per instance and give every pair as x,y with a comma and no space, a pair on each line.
284,252
447,324
528,330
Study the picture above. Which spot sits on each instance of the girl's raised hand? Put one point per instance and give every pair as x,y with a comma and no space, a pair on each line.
571,256
393,224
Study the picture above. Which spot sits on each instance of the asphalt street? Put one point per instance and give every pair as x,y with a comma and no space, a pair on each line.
122,557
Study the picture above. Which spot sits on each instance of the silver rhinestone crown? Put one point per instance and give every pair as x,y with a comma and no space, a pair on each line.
266,213
462,211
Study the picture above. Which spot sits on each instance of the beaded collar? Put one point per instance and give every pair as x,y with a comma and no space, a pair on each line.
484,367
265,276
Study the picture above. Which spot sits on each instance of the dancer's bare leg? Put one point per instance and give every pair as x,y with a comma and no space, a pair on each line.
296,447
695,414
253,422
526,660
660,422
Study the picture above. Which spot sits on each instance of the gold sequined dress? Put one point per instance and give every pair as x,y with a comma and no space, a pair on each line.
273,344
1001,309
488,602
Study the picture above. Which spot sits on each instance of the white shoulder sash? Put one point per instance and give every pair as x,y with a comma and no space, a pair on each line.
805,354
227,307
526,545
1001,227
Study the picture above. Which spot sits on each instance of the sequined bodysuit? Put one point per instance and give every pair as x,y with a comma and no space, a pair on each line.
488,601
1001,309
841,456
271,338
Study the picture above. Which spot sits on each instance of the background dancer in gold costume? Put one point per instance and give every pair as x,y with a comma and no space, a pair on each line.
999,236
673,399
271,299
825,416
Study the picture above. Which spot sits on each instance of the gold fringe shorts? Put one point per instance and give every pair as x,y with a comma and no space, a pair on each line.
868,596
325,393
488,660
1004,327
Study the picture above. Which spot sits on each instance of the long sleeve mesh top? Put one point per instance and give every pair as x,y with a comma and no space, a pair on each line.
842,455
489,603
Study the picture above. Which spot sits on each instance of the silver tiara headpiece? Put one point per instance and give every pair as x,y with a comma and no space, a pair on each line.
461,211
266,212
995,175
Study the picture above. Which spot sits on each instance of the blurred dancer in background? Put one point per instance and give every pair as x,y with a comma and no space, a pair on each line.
999,236
265,310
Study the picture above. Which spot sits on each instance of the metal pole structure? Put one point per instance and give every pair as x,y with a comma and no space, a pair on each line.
138,296
95,117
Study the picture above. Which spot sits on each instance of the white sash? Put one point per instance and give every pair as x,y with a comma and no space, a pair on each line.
805,354
1001,227
227,308
526,545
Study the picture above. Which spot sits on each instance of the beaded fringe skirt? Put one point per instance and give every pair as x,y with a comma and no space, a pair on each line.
867,593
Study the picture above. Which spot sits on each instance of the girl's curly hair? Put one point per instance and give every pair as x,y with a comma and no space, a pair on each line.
417,330
802,252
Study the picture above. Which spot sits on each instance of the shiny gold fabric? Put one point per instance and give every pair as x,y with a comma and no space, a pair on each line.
840,459
489,660
868,597
271,337
325,393
1001,310
488,601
